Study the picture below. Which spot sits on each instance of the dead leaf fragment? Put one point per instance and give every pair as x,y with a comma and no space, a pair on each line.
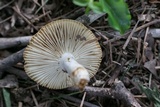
10,81
145,17
150,65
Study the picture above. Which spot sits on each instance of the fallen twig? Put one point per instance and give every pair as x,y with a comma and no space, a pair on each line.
34,98
14,41
117,91
3,6
5,20
83,98
147,24
144,45
17,10
130,36
11,60
19,73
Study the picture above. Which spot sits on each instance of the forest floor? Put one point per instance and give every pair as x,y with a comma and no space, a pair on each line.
128,74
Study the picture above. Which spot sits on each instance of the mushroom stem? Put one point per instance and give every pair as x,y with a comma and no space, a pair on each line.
77,72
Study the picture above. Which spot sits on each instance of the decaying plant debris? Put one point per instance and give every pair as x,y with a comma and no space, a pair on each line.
128,60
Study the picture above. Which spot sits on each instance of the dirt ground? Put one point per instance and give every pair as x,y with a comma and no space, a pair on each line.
129,71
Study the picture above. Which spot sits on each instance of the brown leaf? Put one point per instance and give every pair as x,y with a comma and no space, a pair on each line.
150,65
10,81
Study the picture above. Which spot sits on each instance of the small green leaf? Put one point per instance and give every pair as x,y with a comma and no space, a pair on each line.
156,104
96,7
118,14
6,96
87,10
81,2
152,94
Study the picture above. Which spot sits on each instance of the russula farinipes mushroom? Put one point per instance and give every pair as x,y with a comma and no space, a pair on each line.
62,54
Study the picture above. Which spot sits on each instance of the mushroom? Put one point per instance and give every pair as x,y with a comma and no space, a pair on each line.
63,53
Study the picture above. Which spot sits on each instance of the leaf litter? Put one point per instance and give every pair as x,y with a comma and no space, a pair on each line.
135,64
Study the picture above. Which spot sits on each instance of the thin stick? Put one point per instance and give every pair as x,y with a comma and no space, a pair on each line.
17,10
118,91
84,95
20,104
147,24
34,98
130,36
39,17
157,67
3,6
138,49
5,20
132,32
144,45
110,51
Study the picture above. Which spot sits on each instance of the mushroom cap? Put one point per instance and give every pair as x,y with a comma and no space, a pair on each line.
46,47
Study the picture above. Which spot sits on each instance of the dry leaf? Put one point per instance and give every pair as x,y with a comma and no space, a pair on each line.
10,81
150,65
145,17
